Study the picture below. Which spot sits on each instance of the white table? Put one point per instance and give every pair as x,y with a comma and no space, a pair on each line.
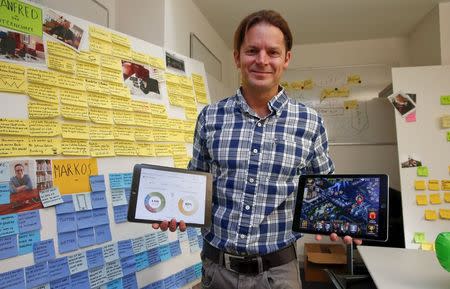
404,268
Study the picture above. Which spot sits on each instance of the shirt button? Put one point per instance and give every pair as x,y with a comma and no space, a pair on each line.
247,207
255,151
259,124
251,180
242,236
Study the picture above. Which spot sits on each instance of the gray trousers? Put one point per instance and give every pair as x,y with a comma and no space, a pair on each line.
215,276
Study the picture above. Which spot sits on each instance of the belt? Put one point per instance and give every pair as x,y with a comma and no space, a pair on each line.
252,264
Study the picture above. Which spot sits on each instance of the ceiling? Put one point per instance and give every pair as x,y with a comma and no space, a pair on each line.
319,21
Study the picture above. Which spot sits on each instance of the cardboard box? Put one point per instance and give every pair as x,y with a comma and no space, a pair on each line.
323,256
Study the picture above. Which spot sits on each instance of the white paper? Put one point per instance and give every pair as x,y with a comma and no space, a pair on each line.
118,197
77,263
82,201
50,197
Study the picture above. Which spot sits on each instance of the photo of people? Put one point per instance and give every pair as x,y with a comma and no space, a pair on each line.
402,103
410,161
62,29
21,181
21,47
139,78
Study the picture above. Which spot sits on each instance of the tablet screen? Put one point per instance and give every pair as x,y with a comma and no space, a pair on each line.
354,205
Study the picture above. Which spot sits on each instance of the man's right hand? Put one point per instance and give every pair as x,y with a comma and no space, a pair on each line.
172,225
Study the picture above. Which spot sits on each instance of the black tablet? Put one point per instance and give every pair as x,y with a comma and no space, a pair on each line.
162,193
353,205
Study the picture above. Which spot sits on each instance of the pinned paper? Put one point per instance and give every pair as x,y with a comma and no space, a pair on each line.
445,100
433,185
12,78
430,215
435,199
77,263
50,197
445,185
351,104
67,242
444,214
82,202
447,197
43,251
427,246
354,79
421,200
422,171
8,247
29,221
419,237
72,175
411,117
42,110
419,185
43,92
36,275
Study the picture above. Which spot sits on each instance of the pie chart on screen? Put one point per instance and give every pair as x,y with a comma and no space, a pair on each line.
155,202
188,205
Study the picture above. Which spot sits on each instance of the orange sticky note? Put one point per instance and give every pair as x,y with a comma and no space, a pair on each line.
435,198
430,215
72,175
433,185
421,200
419,185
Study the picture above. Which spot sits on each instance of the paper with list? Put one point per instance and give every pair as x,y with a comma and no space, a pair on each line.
50,197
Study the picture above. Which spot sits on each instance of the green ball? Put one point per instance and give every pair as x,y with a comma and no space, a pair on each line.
442,246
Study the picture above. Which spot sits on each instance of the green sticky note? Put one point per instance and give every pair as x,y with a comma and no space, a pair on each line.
21,17
419,237
448,135
422,171
445,99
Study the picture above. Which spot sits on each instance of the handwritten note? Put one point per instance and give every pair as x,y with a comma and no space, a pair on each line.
56,48
120,39
73,97
101,116
41,76
43,92
75,131
43,251
75,112
50,197
123,133
101,132
421,200
14,127
435,199
44,128
61,64
125,148
42,110
100,100
44,146
111,62
100,46
12,78
123,117
72,175
419,185
430,215
77,263
101,148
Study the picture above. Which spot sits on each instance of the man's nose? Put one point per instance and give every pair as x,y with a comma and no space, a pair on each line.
262,57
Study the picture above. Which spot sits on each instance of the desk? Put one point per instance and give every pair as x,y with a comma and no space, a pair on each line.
404,268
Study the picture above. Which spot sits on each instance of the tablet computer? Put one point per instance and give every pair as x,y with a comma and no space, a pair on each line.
161,193
353,205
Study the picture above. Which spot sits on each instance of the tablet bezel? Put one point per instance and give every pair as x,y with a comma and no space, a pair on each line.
135,189
383,213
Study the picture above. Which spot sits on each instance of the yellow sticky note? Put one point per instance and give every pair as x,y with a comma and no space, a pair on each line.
74,112
201,97
179,149
42,110
145,149
189,126
430,215
139,56
143,134
101,148
43,92
99,33
188,137
175,136
163,150
14,146
12,77
175,124
123,133
419,185
61,64
160,135
444,214
121,51
111,75
120,91
120,103
447,197
445,185
190,112
176,99
158,110
101,115
419,237
89,57
41,76
427,246
123,117
75,131
351,104
73,97
142,119
72,175
159,122
435,198
433,185
100,100
120,39
44,146
353,79
156,62
181,161
71,82
99,86
445,121
44,128
87,70
14,127
100,46
75,147
421,200
140,106
111,62
101,132
125,148
58,49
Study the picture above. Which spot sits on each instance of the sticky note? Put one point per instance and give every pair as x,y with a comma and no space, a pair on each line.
435,199
101,115
430,215
97,183
113,270
98,200
447,197
445,185
448,135
153,256
141,261
50,197
164,252
116,181
62,283
444,214
129,281
138,245
77,263
421,200
102,234
14,279
422,171
125,248
127,179
120,39
26,241
72,97
110,252
445,99
427,246
44,146
101,148
44,128
151,241
86,237
67,242
56,48
8,247
58,268
42,110
200,241
29,221
9,224
97,277
170,282
82,202
4,194
198,269
36,275
156,285
12,77
120,213
419,185
74,147
115,284
100,216
128,194
175,248
433,185
163,237
411,117
180,279
128,265
80,280
101,132
43,251
67,206
61,64
84,219
95,258
118,197
189,273
182,236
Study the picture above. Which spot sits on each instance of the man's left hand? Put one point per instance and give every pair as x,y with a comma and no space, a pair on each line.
347,239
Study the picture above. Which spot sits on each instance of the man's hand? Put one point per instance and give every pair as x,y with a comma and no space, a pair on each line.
172,225
347,239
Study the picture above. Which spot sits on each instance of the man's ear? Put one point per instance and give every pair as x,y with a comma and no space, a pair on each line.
236,58
287,59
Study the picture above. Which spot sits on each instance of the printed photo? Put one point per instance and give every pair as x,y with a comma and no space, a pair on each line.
410,161
402,103
62,29
21,47
174,62
139,78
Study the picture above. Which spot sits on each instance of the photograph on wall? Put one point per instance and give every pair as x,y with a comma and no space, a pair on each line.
402,103
410,161
21,47
174,62
62,29
139,78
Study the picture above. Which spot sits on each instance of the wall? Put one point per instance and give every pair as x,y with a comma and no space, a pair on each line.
444,25
424,41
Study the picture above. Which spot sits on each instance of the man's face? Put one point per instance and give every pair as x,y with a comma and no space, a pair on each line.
262,58
19,172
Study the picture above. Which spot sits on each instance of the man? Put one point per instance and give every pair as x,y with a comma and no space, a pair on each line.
20,182
63,32
256,144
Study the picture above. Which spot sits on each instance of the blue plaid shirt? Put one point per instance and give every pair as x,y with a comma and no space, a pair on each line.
256,164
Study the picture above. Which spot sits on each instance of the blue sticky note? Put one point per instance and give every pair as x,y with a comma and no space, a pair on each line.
170,283
200,241
62,283
155,285
116,181
43,251
128,265
180,280
58,268
163,237
164,252
36,275
66,222
198,269
128,194
191,232
102,234
8,247
125,248
98,200
141,261
175,248
67,242
9,225
116,284
5,194
129,282
84,219
127,179
86,237
120,213
153,256
13,279
100,216
95,258
26,241
29,221
189,274
67,206
80,280
97,183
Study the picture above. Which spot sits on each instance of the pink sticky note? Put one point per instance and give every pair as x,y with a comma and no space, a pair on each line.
411,117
